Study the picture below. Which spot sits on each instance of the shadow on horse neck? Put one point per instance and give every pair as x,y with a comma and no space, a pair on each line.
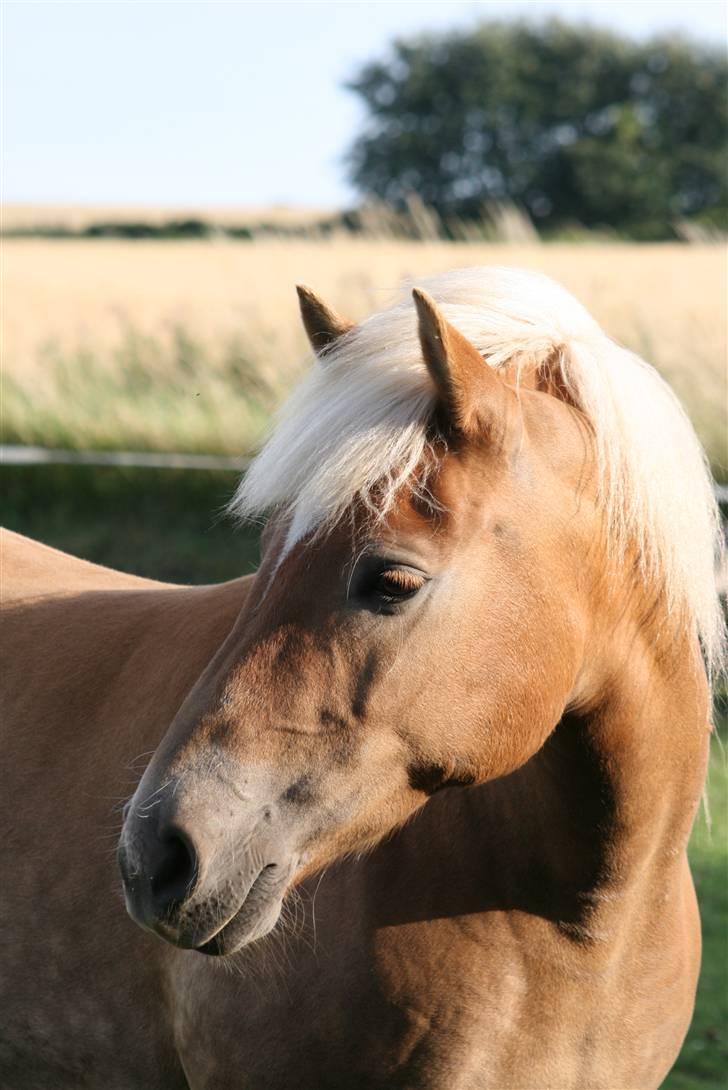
607,801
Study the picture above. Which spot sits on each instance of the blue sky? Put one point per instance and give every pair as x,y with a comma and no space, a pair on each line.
224,103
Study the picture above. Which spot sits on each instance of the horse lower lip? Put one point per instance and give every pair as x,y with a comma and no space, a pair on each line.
243,924
213,947
231,937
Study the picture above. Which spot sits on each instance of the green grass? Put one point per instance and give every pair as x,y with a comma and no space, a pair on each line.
163,523
703,1062
175,392
168,524
171,393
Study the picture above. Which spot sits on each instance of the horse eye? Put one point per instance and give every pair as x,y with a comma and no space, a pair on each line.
396,584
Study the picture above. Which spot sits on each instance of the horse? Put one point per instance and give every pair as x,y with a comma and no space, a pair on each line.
418,792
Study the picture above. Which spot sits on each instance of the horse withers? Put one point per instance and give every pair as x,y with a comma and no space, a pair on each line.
423,785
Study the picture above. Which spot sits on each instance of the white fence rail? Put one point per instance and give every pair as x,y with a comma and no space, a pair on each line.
13,455
32,456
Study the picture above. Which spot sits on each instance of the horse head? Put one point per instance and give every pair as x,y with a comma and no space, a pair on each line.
432,597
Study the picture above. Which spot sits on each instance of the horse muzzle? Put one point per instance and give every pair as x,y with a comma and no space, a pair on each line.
194,883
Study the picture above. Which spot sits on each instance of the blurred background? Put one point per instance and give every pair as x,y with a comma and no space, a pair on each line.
171,170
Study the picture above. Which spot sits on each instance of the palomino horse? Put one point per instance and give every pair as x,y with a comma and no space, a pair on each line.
452,735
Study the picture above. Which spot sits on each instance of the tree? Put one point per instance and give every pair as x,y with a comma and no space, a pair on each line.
573,123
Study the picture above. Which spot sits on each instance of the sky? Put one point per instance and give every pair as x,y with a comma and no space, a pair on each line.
239,103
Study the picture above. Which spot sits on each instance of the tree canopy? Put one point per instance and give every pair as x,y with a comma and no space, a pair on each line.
577,125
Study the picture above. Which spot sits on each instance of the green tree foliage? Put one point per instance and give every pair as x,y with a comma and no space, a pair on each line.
573,123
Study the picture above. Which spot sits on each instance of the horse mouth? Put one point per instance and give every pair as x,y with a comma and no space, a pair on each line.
256,916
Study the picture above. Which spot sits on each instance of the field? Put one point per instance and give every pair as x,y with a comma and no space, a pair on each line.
188,346
40,218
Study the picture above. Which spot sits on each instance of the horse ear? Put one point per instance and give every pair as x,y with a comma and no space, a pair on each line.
322,324
472,398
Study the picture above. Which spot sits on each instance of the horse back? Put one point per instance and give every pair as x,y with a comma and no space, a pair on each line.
77,636
31,570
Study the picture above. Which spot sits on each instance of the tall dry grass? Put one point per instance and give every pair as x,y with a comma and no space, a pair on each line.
188,345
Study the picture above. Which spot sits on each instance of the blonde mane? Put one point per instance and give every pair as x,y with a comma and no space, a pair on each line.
358,421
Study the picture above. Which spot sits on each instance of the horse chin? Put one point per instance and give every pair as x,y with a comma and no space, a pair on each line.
257,915
244,928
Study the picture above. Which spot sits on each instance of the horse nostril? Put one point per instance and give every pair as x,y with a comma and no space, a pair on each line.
175,872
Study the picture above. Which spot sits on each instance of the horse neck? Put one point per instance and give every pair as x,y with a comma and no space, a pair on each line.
617,785
650,731
599,816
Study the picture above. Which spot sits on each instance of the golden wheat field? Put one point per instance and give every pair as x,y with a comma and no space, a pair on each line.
189,345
